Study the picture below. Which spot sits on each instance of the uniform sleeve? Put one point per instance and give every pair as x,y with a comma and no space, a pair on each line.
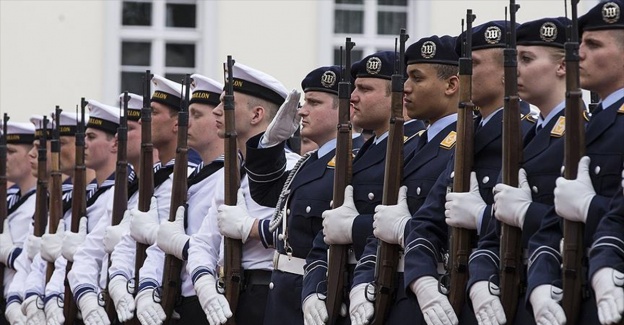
544,256
151,273
22,264
315,270
608,247
35,281
484,261
56,285
266,169
365,268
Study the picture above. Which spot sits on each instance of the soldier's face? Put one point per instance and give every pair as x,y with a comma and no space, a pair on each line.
17,154
68,153
487,76
319,116
538,73
243,115
33,155
134,141
423,92
371,103
164,125
202,126
601,65
99,147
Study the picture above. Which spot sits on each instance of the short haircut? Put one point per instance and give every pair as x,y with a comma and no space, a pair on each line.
445,71
270,107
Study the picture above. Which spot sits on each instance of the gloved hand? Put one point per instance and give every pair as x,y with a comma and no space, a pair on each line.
144,225
14,314
546,309
54,313
389,220
607,284
214,304
487,307
573,197
149,312
337,223
511,203
34,315
52,244
172,237
113,234
92,312
285,122
360,309
73,240
314,310
234,220
6,243
123,301
435,306
465,210
34,246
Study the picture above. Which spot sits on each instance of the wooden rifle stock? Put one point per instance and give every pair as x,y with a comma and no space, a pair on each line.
79,208
574,149
460,239
388,254
56,186
171,285
511,237
3,193
337,258
41,202
233,248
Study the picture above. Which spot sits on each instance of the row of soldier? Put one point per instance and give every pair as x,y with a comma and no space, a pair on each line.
285,217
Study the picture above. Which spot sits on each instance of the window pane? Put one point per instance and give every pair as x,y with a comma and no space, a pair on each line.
180,55
356,55
402,3
180,15
359,2
136,13
349,22
390,23
136,53
132,82
177,77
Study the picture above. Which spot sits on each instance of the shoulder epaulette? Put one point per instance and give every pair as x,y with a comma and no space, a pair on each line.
449,140
559,129
586,115
332,162
621,110
529,117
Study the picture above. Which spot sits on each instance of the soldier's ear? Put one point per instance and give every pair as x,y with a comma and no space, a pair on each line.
561,69
258,115
452,85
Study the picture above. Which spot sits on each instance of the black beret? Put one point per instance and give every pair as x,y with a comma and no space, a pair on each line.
485,36
606,15
377,65
543,32
323,79
434,49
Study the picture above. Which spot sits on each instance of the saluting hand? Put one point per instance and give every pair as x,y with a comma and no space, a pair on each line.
285,122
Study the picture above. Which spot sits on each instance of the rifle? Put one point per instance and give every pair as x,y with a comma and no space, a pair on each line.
41,202
388,254
460,239
79,208
146,169
171,285
511,237
3,193
574,149
337,257
233,248
56,191
120,196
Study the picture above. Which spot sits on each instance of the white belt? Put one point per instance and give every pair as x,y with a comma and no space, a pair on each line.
288,264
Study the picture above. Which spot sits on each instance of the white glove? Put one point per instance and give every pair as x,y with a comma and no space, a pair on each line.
487,307
172,237
14,314
144,225
234,220
573,197
92,312
54,313
214,304
52,244
337,223
123,301
546,308
6,243
465,209
285,122
607,284
113,234
511,203
34,246
360,309
34,315
314,310
72,240
149,312
435,306
389,220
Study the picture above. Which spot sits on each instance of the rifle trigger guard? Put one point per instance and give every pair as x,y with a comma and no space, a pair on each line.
130,286
60,300
319,295
40,302
156,294
618,281
101,299
492,288
370,295
220,286
444,284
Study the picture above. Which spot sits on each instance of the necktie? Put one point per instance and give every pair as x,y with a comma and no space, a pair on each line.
597,110
422,141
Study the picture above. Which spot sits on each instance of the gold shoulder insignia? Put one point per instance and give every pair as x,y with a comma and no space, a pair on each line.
529,117
419,133
332,163
449,141
621,110
586,115
559,129
406,138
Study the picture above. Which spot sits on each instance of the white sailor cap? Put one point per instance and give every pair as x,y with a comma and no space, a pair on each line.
19,133
135,104
103,117
205,90
258,84
166,92
68,122
37,121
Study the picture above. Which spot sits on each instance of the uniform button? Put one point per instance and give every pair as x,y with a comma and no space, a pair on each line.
452,174
371,196
597,170
486,179
535,190
418,191
331,203
287,211
271,285
280,236
562,170
308,209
